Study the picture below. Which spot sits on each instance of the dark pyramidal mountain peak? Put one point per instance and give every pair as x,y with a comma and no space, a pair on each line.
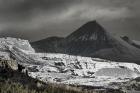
91,40
90,31
87,39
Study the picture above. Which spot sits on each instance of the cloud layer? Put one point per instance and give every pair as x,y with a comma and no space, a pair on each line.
36,19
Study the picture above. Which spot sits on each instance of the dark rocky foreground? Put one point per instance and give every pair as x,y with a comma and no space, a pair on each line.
18,81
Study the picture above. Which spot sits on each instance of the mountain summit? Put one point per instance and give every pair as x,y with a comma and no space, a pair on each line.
90,31
87,39
92,40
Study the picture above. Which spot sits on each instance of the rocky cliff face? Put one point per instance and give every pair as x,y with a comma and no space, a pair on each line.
8,64
16,49
8,42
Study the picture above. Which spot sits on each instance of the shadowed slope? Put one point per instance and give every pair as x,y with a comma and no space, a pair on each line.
92,40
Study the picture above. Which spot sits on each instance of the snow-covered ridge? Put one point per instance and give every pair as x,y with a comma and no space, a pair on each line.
14,42
18,49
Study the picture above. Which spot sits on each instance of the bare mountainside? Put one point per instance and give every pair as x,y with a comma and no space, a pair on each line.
91,40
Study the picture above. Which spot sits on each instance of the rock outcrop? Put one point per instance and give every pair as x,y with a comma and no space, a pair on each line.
8,64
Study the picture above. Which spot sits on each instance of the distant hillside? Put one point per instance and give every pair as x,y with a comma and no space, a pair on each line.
50,44
91,40
131,42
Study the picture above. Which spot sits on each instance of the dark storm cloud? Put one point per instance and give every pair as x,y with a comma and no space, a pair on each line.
36,19
27,16
24,8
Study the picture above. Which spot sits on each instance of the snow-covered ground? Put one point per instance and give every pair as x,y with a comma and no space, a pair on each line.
68,69
78,70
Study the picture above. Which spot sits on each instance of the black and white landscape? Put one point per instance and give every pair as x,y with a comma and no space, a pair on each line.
92,40
89,45
89,57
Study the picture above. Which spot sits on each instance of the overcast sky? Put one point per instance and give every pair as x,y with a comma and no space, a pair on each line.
37,19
